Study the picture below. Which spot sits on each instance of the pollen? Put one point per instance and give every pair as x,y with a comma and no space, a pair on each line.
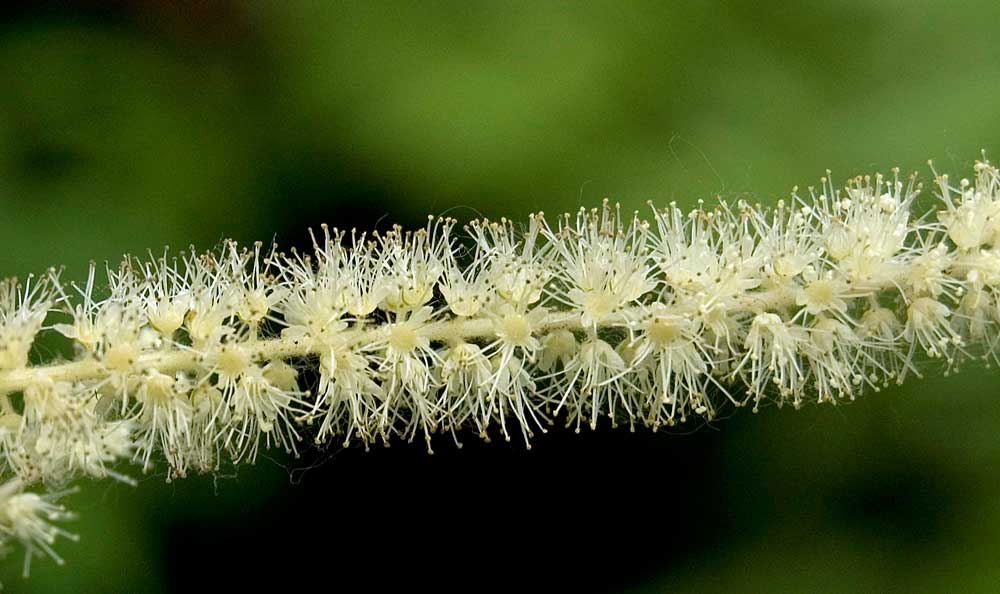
232,360
821,295
598,305
403,339
120,357
515,330
663,332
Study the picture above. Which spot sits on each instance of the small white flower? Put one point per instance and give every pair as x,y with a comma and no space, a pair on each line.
927,325
22,311
261,404
466,375
823,295
603,263
164,420
195,359
675,363
773,357
348,395
29,518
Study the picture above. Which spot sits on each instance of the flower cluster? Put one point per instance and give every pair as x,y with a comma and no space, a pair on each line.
193,361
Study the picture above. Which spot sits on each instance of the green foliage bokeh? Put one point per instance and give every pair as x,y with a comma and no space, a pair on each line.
156,126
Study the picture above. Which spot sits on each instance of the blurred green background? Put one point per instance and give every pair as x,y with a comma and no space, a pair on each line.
134,124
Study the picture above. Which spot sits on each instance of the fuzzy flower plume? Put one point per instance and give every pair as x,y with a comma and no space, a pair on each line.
192,362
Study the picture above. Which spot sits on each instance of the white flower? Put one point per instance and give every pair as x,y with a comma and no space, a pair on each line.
707,259
466,375
972,212
466,288
773,357
164,420
29,518
414,264
674,364
515,330
261,403
407,378
511,388
348,394
317,296
365,277
196,359
519,263
927,325
313,314
63,434
255,292
558,346
835,359
603,263
592,384
22,312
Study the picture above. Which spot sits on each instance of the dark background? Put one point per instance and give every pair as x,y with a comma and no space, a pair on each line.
129,125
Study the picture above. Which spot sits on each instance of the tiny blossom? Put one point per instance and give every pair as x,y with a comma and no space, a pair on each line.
197,362
832,356
773,356
519,263
22,312
164,418
414,262
63,434
603,263
211,303
254,292
204,450
28,517
406,372
164,294
557,347
927,325
509,393
515,330
821,295
261,406
347,396
674,365
465,376
592,384
365,277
